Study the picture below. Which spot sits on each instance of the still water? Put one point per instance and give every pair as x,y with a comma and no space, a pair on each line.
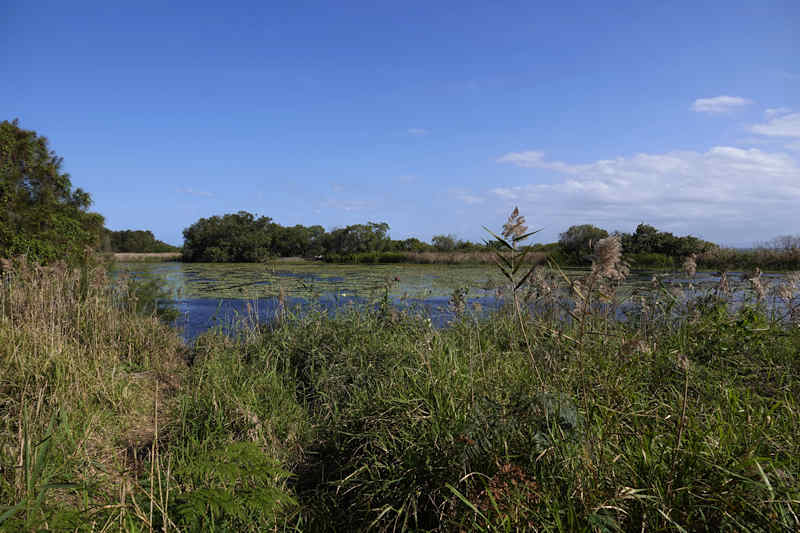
219,294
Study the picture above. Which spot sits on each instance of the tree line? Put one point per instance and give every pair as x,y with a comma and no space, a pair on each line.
245,237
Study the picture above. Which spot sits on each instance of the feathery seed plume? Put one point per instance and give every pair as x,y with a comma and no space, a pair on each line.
755,283
723,286
690,265
515,225
608,259
790,284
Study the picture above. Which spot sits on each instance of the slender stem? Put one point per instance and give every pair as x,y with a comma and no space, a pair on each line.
681,425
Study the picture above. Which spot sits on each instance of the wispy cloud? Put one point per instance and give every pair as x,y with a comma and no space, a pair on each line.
467,198
780,126
719,104
775,111
417,131
193,192
535,159
345,205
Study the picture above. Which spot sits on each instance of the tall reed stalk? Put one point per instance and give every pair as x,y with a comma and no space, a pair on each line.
512,266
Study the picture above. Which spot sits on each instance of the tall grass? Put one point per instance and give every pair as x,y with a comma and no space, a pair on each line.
79,374
548,415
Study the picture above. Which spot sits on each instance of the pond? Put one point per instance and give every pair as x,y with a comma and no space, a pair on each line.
218,294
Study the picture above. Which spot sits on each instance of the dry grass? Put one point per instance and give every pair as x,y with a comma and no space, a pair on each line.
147,257
79,370
764,258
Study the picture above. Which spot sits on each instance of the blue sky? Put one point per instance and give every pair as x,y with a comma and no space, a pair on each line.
436,117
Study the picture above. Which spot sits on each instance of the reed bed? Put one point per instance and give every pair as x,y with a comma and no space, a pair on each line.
548,415
140,257
764,258
432,258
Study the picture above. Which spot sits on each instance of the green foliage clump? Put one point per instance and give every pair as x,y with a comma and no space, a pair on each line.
237,238
646,247
648,240
651,260
235,487
577,241
41,216
135,241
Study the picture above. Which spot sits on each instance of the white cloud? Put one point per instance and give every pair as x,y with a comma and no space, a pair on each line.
345,205
782,126
723,190
417,131
193,192
719,104
775,111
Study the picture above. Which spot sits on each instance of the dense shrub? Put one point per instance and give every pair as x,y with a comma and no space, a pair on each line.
135,241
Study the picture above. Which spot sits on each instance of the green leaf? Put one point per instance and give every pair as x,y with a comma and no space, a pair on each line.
521,258
465,501
523,237
527,275
499,239
502,258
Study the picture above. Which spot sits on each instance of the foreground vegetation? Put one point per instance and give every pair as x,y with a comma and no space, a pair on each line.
684,416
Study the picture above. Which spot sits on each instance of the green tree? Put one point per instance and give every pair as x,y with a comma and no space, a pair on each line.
137,241
358,238
444,243
40,214
238,237
577,240
412,244
648,240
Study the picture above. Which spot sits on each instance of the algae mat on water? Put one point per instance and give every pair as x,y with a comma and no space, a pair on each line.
311,280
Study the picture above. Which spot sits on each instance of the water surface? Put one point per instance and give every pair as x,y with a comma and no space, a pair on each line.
219,294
